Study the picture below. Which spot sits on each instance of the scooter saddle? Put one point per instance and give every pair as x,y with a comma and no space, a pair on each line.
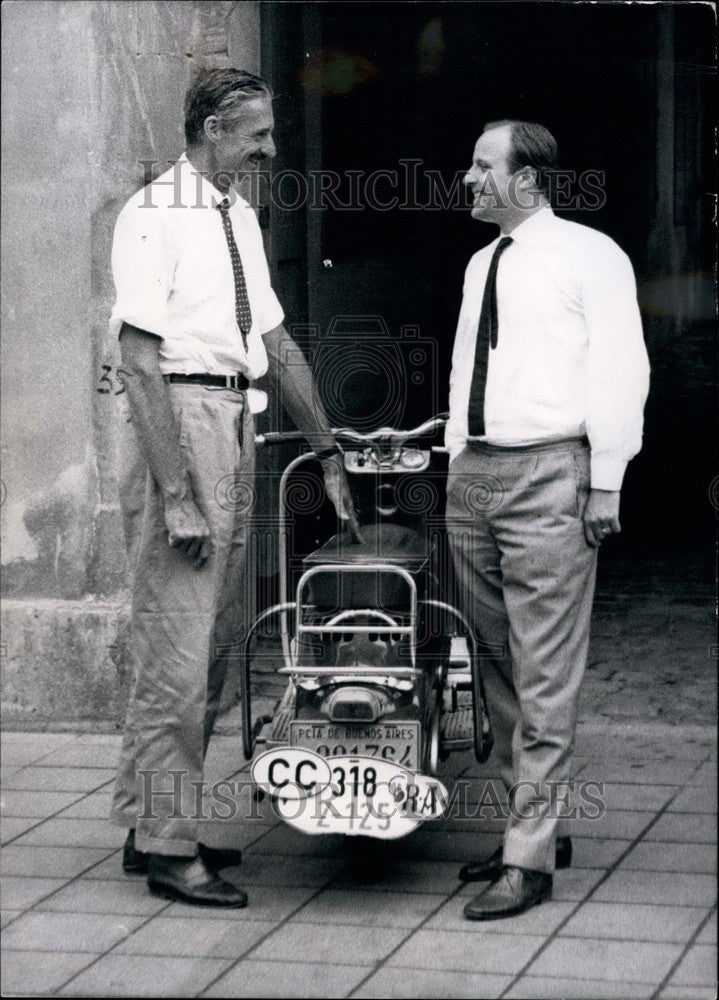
385,542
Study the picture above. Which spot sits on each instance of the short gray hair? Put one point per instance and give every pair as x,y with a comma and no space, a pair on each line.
220,92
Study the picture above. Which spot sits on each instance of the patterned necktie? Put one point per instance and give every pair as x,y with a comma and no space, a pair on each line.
243,313
487,333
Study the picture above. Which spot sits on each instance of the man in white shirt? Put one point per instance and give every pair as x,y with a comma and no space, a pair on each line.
548,384
198,322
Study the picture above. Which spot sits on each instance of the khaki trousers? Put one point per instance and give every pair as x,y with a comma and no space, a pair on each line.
525,576
186,623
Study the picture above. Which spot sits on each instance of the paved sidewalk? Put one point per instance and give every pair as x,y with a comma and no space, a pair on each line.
633,917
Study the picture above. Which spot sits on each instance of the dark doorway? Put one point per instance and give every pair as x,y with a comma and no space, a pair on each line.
399,92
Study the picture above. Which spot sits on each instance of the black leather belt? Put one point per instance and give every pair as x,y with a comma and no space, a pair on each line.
238,381
558,444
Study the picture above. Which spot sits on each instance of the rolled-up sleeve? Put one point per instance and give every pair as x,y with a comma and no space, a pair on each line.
270,313
618,366
142,270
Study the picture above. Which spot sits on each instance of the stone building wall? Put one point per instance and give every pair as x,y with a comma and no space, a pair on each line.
90,89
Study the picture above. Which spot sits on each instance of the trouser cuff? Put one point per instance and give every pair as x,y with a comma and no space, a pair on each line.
119,817
171,848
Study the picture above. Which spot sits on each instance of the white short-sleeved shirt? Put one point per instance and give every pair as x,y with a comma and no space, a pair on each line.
173,275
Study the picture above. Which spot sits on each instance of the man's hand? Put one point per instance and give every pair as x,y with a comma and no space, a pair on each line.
338,491
601,516
187,529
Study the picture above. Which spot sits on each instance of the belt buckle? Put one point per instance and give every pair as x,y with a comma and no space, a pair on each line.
230,382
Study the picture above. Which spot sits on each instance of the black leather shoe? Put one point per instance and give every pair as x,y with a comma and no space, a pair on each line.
189,880
515,891
491,868
136,862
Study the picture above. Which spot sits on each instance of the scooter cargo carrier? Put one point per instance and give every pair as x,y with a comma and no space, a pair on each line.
383,675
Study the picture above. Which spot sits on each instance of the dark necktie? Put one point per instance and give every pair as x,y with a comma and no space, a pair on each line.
486,335
243,313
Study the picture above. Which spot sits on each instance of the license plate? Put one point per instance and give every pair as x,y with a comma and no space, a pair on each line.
397,742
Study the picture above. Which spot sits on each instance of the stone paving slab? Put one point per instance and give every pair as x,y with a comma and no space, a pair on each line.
93,932
369,909
696,799
95,805
221,938
674,992
647,798
647,962
708,934
550,988
412,983
145,976
438,949
665,857
51,861
658,887
73,833
632,918
351,945
634,922
59,779
86,895
40,804
255,978
686,828
696,968
40,973
105,755
22,893
12,827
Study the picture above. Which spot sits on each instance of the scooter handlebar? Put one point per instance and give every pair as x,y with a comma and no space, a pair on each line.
355,437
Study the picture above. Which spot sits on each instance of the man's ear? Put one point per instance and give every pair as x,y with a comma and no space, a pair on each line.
528,179
212,128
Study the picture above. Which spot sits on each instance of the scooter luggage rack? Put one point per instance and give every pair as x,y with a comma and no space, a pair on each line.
482,742
334,626
341,433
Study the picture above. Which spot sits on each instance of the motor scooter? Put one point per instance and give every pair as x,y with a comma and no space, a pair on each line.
383,675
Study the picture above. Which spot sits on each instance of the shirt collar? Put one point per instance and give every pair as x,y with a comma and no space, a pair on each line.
537,225
210,196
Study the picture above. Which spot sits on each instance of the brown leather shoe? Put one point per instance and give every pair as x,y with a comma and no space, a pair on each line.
515,891
189,880
136,862
491,868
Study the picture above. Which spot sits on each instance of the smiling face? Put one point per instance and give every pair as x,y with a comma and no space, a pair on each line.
489,177
243,143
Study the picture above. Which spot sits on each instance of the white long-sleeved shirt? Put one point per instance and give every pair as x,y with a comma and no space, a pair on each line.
173,275
570,358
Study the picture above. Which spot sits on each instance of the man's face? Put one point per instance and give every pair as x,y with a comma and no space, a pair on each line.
242,149
489,176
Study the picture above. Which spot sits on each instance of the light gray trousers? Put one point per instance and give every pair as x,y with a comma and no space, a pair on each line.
525,576
186,623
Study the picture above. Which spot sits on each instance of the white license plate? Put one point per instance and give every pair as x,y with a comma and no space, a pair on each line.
365,796
395,742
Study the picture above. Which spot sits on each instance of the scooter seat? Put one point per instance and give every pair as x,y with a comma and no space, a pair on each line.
393,544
